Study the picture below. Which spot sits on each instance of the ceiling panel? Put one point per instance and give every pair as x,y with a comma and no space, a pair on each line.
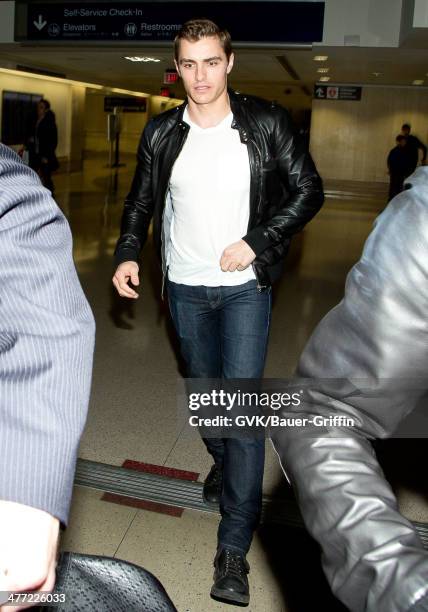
256,71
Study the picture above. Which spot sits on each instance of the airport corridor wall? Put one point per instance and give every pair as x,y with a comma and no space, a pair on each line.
58,94
351,140
132,123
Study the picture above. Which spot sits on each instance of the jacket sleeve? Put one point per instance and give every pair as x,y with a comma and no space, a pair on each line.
423,148
139,204
378,336
366,360
46,345
301,180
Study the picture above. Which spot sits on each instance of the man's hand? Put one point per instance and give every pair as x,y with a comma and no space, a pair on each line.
126,271
237,256
28,548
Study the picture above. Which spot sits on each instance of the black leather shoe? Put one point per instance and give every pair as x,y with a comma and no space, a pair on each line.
213,485
230,577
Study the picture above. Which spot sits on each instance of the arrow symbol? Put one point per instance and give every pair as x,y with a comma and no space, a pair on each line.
40,24
320,92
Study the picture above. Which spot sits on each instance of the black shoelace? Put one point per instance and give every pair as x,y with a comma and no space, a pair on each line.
235,564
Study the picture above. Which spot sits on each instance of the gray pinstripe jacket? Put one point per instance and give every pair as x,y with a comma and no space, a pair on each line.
46,345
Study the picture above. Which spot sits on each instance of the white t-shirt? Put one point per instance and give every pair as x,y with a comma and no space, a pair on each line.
210,192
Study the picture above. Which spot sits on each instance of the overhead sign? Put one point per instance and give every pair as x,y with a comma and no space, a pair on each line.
128,104
256,21
337,92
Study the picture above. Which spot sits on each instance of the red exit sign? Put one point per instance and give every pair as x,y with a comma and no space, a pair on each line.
170,76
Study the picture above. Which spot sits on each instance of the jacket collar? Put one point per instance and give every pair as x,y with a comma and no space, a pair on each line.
238,123
180,111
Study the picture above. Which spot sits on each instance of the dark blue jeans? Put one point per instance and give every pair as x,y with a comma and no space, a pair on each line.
223,333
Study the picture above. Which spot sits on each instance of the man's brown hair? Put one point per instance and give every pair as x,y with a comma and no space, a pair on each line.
195,29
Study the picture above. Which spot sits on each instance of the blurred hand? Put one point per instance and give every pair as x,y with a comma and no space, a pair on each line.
126,271
237,256
28,549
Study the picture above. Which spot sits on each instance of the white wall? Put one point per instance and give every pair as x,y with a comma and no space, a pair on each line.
420,17
375,22
7,21
159,104
351,140
58,94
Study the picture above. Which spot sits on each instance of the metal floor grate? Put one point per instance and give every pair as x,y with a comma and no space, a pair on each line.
182,493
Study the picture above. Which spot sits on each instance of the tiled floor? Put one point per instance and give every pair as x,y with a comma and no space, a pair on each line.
133,408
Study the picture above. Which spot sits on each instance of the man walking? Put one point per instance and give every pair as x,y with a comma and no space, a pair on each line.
400,166
227,182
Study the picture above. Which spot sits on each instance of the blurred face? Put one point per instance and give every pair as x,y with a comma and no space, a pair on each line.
405,131
203,67
40,109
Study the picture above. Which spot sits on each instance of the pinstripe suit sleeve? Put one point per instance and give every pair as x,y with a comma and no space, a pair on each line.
46,345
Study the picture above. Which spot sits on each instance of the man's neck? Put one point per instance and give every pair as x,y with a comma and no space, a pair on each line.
209,115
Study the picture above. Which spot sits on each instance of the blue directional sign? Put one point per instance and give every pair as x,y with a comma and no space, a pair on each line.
255,21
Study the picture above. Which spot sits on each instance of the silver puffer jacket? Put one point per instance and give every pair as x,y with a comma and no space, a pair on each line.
367,360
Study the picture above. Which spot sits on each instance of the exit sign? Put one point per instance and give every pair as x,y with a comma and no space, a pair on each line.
170,76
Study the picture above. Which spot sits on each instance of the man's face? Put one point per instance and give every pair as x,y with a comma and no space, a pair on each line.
204,67
405,131
40,109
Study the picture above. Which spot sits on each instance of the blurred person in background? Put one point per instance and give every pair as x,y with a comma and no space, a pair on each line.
400,166
43,144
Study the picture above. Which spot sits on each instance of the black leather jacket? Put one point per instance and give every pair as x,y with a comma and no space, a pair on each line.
285,190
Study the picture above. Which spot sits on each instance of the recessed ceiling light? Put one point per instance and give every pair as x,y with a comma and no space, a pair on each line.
137,58
323,70
324,79
418,82
320,58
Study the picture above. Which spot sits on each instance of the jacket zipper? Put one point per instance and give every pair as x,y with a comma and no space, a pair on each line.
164,268
260,158
259,286
246,140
